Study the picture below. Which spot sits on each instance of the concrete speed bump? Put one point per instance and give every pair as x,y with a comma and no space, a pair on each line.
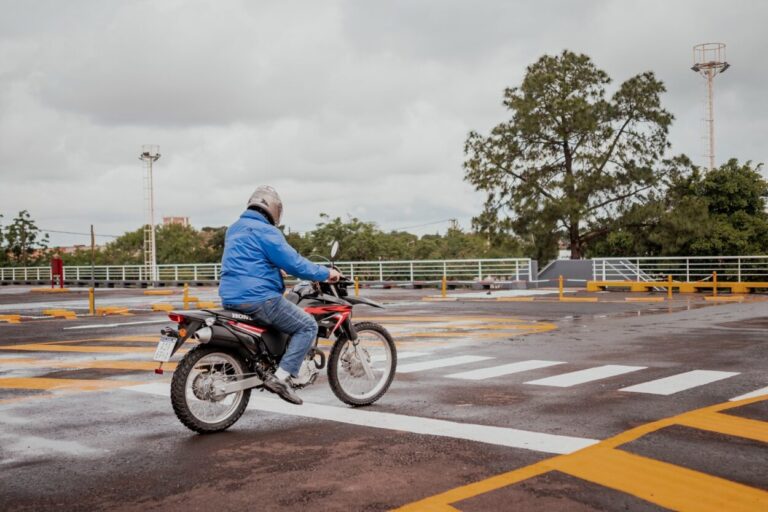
11,319
60,313
113,310
49,290
162,307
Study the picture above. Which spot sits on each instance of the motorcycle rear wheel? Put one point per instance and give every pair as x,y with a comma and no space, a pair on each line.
191,396
346,374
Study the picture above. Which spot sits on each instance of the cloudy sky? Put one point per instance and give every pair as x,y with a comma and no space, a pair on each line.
346,107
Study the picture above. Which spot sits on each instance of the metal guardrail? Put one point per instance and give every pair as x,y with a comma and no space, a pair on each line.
502,269
685,269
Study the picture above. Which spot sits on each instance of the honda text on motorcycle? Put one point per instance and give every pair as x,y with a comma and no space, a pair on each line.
212,383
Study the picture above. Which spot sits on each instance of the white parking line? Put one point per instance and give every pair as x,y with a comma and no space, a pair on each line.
121,324
751,394
504,369
501,436
679,382
567,380
440,363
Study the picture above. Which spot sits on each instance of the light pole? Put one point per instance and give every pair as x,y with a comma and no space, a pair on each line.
708,61
149,155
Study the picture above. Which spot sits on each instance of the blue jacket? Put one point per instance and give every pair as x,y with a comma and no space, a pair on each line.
254,253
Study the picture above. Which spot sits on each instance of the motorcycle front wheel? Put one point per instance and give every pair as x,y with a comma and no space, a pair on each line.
193,386
361,371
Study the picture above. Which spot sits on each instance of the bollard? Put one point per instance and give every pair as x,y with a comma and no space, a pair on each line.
669,287
91,301
560,287
357,287
714,284
444,287
186,296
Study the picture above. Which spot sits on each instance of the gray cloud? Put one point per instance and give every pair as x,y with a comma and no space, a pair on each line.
346,106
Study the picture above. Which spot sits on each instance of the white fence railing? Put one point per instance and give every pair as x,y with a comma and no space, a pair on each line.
503,269
686,269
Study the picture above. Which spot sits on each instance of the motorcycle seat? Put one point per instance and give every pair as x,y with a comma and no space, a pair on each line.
239,316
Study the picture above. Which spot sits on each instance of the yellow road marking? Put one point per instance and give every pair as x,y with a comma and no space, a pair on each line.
106,365
87,349
665,484
11,319
729,425
60,313
662,483
41,383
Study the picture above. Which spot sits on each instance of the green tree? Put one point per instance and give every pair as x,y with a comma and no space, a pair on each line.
25,243
718,213
570,160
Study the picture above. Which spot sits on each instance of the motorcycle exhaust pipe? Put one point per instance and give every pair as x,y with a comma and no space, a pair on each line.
203,335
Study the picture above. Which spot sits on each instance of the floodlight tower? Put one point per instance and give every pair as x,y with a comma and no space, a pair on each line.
708,61
149,155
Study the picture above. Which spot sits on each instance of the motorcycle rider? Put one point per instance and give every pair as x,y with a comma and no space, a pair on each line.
255,252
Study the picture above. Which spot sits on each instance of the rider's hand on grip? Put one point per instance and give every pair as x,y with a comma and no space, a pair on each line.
334,276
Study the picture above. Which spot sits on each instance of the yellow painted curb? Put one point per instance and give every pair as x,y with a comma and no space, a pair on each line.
112,310
514,299
644,299
578,299
725,298
49,290
207,305
60,313
162,307
159,292
11,319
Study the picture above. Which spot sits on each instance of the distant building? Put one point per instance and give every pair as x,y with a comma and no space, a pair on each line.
181,221
72,249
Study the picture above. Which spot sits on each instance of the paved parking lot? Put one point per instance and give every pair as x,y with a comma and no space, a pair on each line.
497,405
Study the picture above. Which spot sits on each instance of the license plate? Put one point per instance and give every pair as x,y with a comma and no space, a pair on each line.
164,348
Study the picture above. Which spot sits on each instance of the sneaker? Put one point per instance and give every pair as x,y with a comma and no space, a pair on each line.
282,389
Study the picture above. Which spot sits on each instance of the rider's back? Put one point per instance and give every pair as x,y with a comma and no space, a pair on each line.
254,253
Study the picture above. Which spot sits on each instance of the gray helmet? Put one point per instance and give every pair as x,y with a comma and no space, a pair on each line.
267,201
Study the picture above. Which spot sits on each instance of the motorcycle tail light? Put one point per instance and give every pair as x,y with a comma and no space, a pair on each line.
175,317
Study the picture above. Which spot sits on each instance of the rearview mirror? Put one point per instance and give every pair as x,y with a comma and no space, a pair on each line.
334,248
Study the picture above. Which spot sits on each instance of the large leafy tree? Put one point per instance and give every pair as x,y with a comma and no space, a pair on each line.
570,160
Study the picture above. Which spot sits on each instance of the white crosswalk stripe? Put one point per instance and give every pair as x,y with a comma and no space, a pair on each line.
440,363
679,382
504,369
400,356
751,394
567,380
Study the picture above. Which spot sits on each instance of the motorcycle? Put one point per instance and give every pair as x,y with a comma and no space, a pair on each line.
212,383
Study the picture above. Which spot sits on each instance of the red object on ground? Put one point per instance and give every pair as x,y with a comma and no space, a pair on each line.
57,270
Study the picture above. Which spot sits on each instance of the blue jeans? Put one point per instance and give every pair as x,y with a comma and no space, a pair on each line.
290,319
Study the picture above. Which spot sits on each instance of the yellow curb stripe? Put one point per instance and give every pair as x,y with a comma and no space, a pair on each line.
664,484
728,425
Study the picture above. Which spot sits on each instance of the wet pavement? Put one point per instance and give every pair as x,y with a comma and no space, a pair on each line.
497,405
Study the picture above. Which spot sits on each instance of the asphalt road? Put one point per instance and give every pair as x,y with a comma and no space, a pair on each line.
496,406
